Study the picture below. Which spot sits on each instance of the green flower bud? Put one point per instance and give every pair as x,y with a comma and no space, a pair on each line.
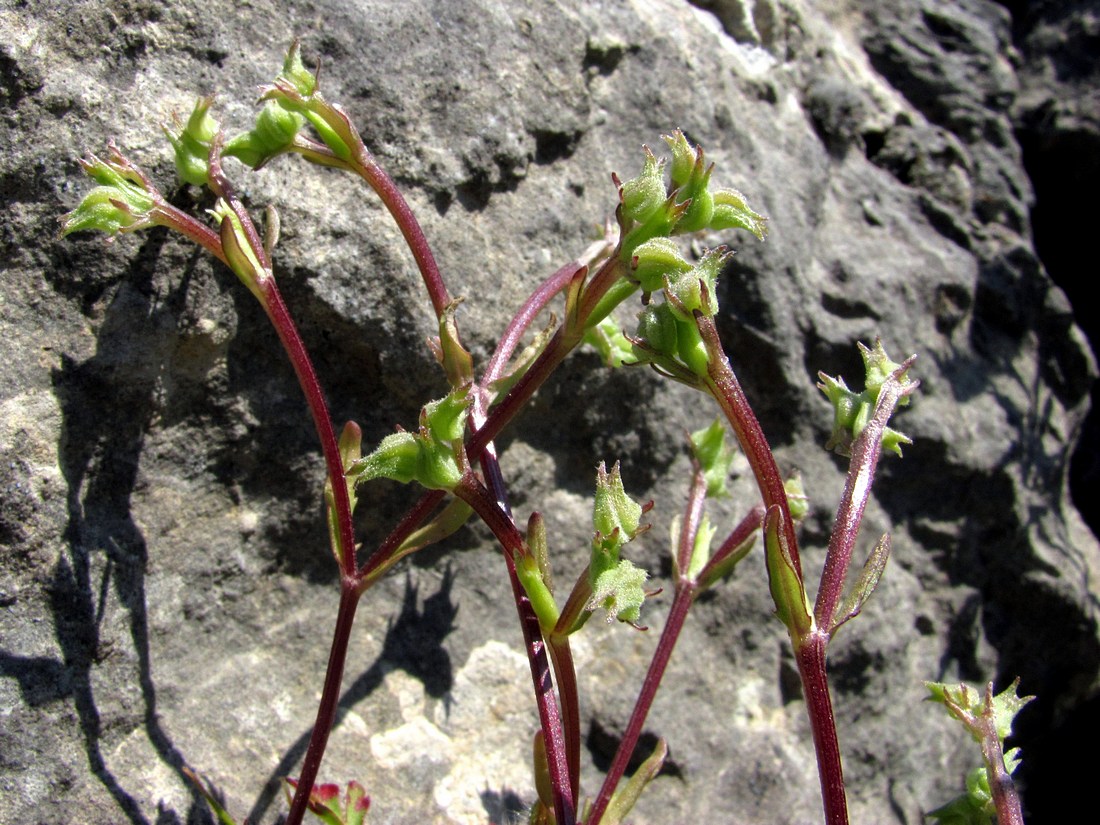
657,327
701,207
643,195
687,287
878,367
616,516
396,457
683,158
655,260
852,411
608,340
192,144
274,133
731,211
445,419
659,224
295,73
432,456
123,202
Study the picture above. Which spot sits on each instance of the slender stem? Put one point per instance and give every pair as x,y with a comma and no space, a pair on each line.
409,522
330,696
563,342
164,214
819,707
367,167
693,517
565,676
264,287
523,319
576,604
857,490
307,378
673,626
482,500
750,524
726,389
1005,798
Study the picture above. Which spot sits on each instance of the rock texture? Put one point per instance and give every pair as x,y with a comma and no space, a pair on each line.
165,591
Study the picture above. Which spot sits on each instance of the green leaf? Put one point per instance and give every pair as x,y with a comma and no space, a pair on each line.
792,607
211,795
620,591
624,799
798,503
533,571
864,586
715,453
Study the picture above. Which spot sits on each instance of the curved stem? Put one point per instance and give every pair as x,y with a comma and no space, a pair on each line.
315,398
367,168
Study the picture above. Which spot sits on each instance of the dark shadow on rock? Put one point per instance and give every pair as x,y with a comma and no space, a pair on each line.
504,807
106,406
603,743
414,644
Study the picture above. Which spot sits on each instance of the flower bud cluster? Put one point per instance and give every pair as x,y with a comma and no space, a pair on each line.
852,410
434,456
617,584
652,211
123,201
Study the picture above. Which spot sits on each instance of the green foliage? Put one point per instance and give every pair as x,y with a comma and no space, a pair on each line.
617,584
988,718
853,410
451,450
715,455
432,456
193,143
121,203
792,606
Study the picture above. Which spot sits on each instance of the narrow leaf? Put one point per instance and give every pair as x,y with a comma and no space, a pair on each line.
865,585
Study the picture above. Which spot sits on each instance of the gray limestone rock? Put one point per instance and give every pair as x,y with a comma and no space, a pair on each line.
166,593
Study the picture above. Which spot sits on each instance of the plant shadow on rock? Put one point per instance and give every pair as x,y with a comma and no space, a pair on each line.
106,413
504,807
414,644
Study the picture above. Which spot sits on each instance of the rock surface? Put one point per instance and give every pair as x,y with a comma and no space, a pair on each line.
166,597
